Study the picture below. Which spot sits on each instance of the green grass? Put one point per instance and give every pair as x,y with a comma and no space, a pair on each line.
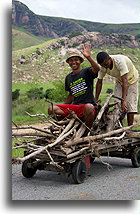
30,49
26,87
31,106
19,152
22,39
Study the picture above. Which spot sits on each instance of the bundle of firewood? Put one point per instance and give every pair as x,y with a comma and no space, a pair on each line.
65,140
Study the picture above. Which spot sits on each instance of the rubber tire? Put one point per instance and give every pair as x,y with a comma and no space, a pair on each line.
135,157
26,171
79,172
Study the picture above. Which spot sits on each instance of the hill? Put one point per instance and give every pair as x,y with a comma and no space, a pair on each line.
54,27
23,39
50,64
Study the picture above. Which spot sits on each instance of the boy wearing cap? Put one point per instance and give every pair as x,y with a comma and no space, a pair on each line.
79,84
122,68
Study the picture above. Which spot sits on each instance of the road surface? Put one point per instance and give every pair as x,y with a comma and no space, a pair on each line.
120,183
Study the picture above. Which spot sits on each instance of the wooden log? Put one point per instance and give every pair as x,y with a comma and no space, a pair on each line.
97,137
32,134
30,127
77,153
81,131
102,110
132,134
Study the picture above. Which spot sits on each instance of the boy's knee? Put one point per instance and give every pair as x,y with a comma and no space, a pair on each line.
89,108
50,110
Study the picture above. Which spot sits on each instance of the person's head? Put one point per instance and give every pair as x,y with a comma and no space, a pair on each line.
104,59
74,58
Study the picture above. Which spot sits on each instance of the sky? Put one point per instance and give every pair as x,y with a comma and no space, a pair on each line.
105,11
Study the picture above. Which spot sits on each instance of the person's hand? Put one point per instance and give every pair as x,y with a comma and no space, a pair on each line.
86,50
124,106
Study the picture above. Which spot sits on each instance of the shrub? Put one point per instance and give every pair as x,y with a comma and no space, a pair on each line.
15,94
59,94
49,93
35,93
75,33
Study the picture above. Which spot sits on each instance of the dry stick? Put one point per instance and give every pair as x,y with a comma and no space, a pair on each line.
103,109
29,141
30,127
21,146
49,145
116,138
24,144
53,162
75,116
97,137
53,110
14,123
81,131
70,124
29,134
63,122
78,152
131,134
37,115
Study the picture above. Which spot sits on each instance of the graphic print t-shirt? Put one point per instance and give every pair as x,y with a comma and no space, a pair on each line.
81,86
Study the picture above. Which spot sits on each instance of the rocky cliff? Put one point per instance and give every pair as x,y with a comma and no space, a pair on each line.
23,17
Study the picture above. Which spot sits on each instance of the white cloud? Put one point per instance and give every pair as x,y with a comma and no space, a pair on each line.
107,11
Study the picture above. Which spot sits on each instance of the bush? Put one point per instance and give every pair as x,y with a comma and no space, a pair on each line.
59,94
35,94
15,94
49,93
75,33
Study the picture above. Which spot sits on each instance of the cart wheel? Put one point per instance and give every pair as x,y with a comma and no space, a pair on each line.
135,157
79,172
26,171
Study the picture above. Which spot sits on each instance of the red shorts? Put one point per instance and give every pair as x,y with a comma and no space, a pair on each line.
77,109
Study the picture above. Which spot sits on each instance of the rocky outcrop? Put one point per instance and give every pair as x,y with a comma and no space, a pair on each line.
97,40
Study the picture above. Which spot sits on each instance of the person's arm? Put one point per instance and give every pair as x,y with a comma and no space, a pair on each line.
69,99
98,88
124,91
87,53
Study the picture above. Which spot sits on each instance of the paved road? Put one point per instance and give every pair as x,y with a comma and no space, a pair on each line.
120,183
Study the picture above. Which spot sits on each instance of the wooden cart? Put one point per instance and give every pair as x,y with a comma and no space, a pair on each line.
64,148
77,167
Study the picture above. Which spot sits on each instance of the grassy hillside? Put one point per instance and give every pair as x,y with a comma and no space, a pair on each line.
22,39
50,65
110,28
